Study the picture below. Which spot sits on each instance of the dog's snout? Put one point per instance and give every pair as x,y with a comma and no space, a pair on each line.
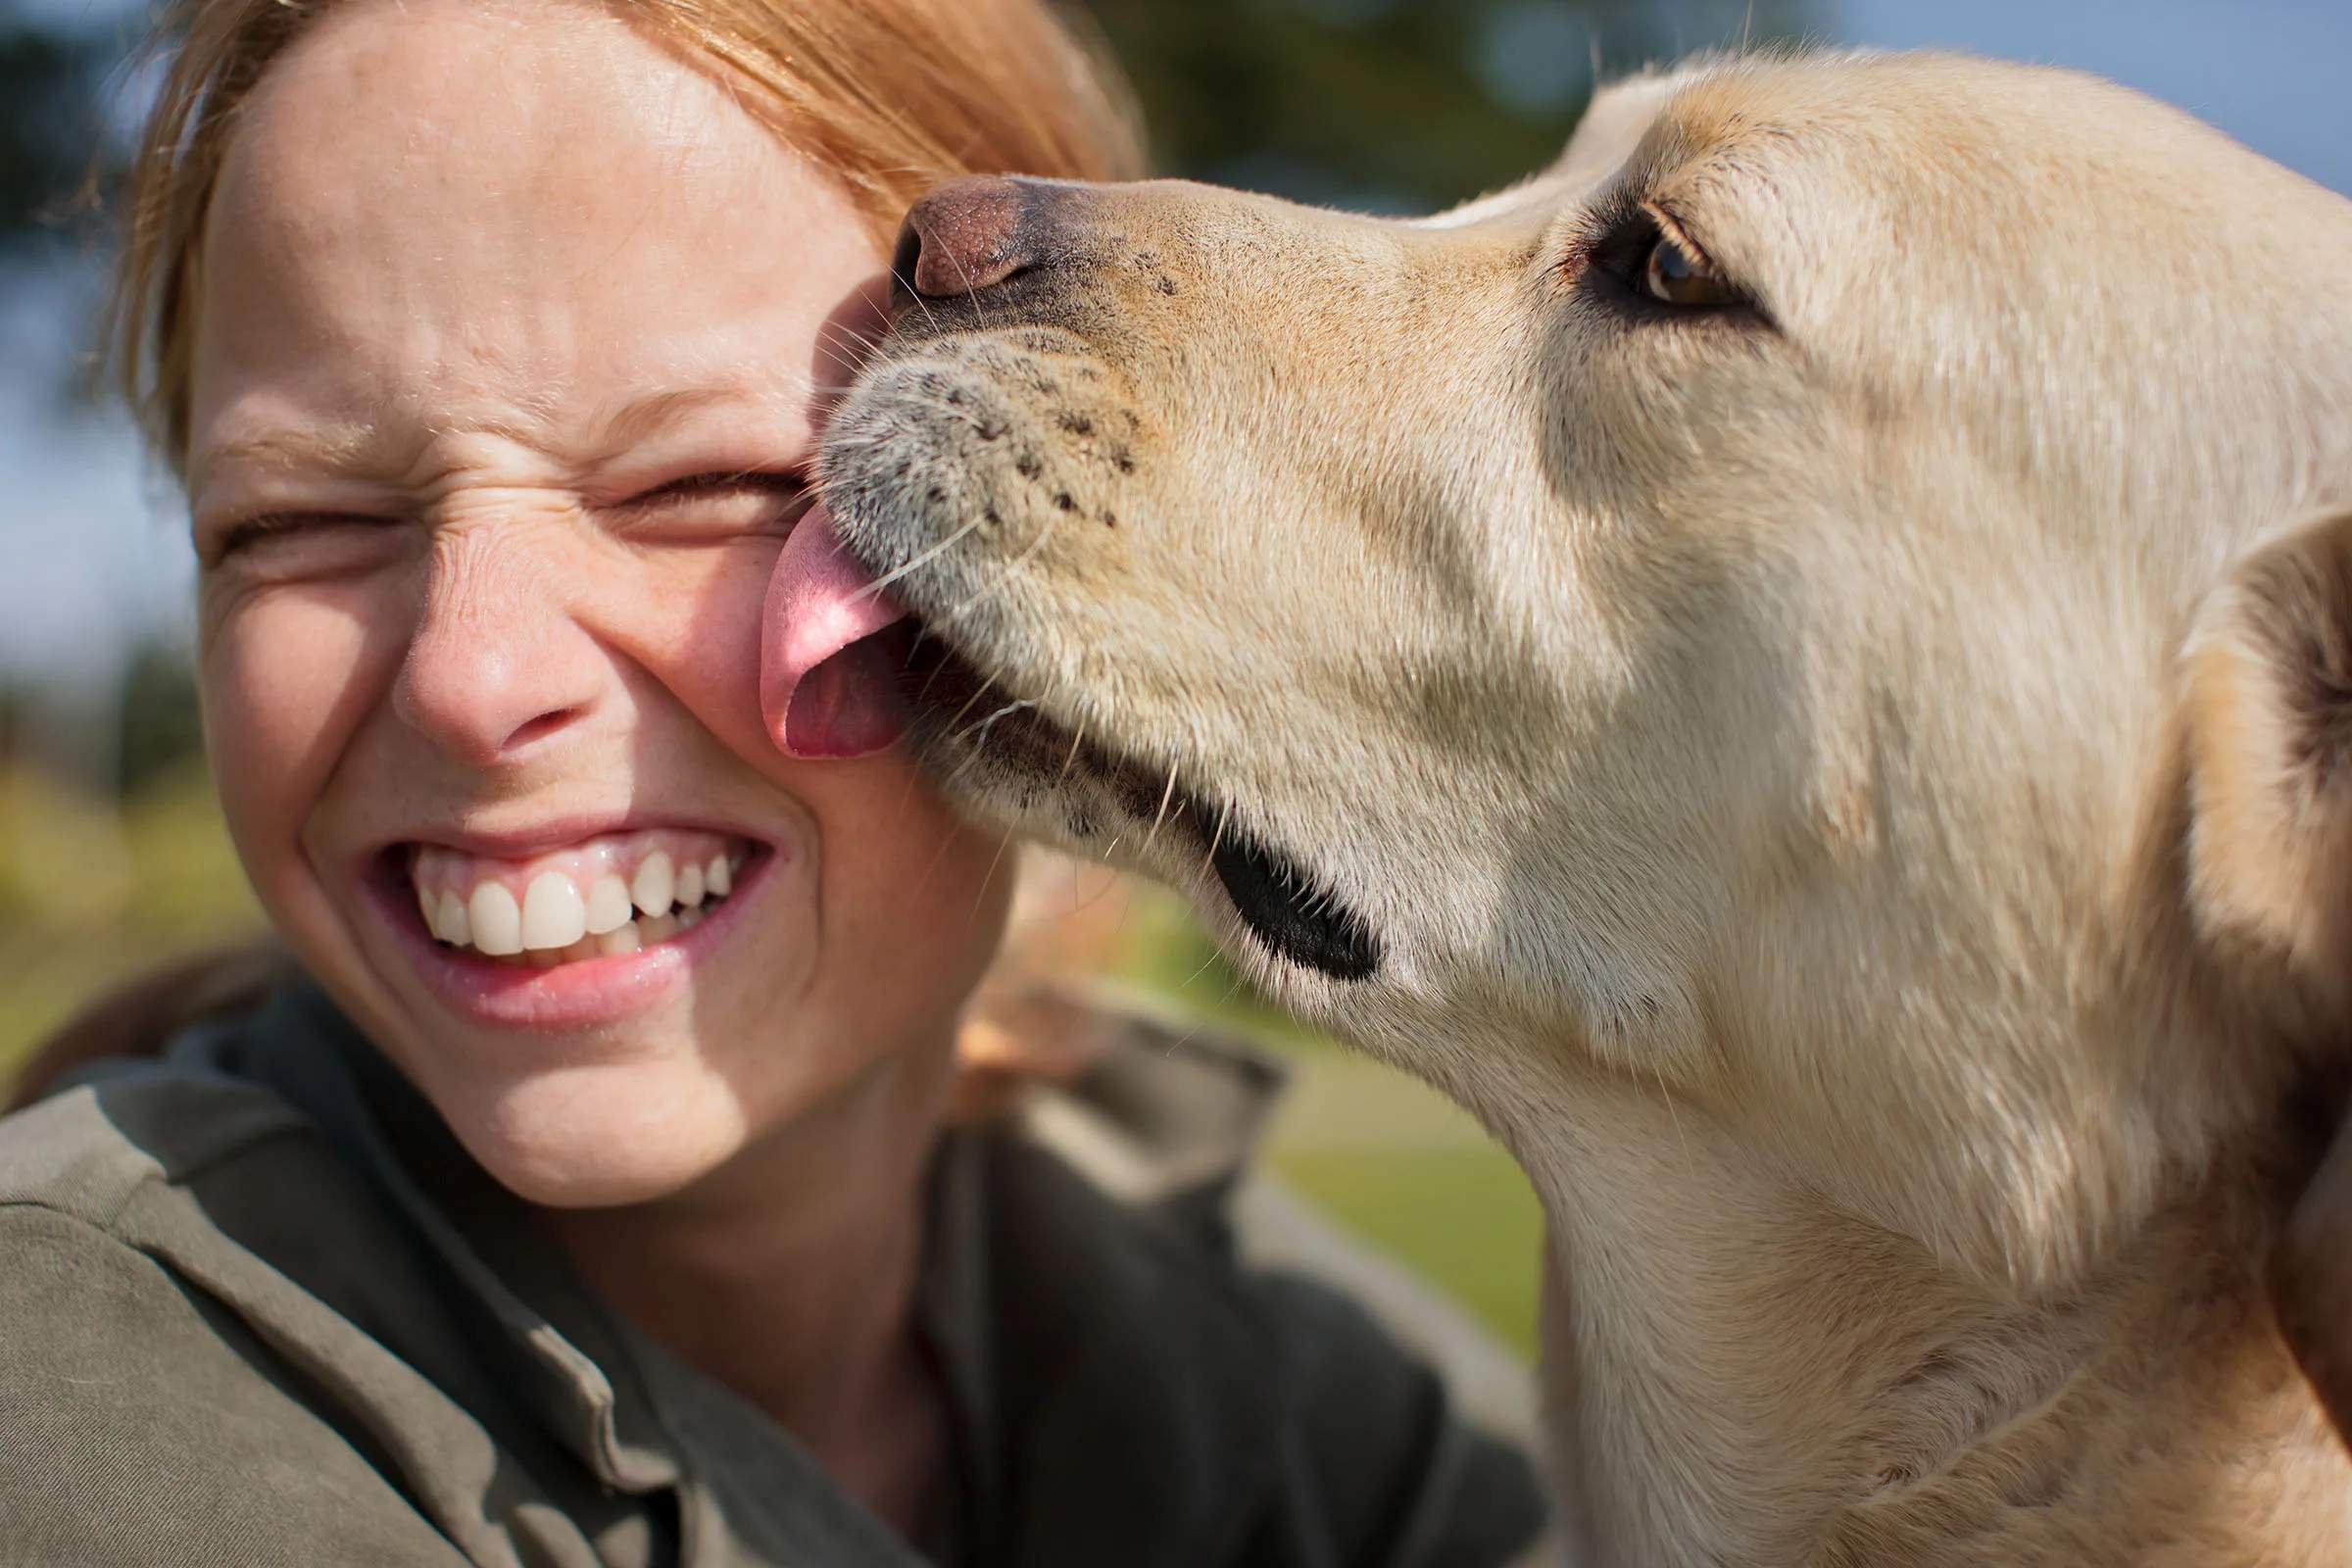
973,234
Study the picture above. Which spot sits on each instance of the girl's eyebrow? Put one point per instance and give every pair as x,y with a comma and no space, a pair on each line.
357,450
642,417
331,448
645,416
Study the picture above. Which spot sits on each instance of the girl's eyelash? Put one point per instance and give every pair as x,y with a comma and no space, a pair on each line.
246,532
790,483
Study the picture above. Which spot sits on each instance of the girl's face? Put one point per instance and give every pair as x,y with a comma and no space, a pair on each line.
512,338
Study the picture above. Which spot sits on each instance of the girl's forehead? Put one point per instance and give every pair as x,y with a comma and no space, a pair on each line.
506,101
548,141
527,208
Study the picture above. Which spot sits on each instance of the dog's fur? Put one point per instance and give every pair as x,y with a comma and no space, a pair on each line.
1855,790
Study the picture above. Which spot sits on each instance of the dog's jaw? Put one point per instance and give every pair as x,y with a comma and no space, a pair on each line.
1006,758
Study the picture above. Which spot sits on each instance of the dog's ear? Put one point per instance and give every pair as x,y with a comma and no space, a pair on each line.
2269,728
1618,117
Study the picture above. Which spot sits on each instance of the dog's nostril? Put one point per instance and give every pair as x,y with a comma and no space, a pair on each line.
968,235
902,260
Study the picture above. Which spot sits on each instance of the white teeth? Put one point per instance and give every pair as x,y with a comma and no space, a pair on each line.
653,885
555,923
450,924
608,905
496,920
552,914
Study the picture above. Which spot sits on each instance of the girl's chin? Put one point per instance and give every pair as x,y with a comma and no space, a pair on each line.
599,1135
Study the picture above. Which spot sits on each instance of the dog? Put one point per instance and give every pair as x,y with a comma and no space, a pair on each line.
1800,665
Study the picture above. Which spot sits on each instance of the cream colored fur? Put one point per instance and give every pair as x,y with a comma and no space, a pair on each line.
1840,790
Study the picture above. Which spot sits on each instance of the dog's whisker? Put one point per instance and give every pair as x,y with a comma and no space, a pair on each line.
1001,579
970,703
973,736
1165,796
990,875
844,361
1210,962
875,588
864,340
971,293
1071,759
913,778
1217,839
1027,550
838,331
847,363
930,680
907,283
939,855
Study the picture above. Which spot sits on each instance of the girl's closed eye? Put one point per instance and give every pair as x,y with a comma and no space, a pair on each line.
720,505
297,543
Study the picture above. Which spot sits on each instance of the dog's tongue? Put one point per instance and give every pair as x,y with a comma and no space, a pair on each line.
827,687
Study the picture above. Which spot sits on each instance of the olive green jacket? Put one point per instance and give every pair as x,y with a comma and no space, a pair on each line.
236,1328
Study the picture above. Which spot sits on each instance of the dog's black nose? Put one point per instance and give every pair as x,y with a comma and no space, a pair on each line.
972,235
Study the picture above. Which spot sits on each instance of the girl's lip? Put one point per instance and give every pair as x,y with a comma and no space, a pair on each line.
585,995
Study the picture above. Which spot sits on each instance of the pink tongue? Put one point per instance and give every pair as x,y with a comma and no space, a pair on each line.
826,687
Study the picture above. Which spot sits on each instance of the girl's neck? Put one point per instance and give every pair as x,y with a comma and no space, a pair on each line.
789,1275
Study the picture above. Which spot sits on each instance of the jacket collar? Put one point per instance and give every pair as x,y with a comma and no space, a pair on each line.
533,1315
1111,1383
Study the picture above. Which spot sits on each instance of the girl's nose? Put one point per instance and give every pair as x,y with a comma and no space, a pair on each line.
498,662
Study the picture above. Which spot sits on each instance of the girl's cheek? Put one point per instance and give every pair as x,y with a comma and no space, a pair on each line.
283,682
690,617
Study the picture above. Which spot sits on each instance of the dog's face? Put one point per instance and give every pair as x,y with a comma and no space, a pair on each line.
1712,613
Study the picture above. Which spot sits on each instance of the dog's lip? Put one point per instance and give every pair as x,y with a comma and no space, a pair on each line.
1296,915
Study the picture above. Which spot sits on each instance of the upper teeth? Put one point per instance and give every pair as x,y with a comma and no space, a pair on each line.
576,899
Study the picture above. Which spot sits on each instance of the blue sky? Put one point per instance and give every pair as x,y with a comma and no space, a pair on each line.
90,548
2275,74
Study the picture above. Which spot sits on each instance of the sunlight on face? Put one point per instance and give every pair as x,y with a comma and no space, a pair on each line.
512,338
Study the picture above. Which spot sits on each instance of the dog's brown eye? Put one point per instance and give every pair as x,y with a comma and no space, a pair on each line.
1676,275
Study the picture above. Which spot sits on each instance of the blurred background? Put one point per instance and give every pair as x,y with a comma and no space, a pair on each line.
111,854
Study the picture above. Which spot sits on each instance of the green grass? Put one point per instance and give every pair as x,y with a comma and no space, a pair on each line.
93,896
1463,1218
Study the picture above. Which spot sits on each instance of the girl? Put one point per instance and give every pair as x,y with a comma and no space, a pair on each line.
592,1199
